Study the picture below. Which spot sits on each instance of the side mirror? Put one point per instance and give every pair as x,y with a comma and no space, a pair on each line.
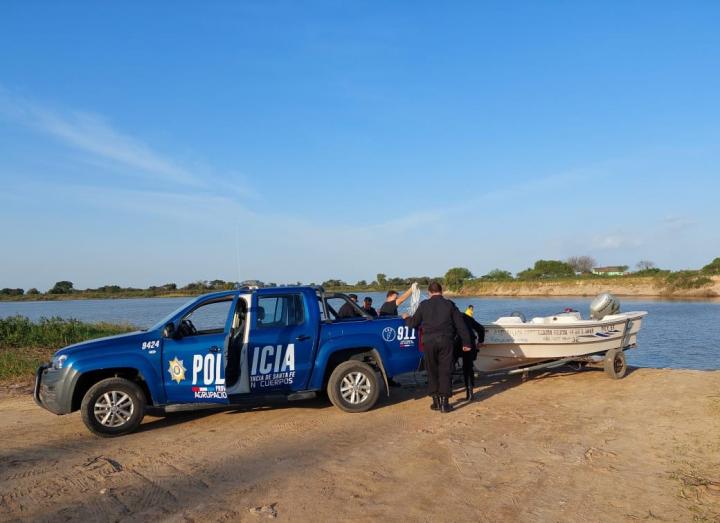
169,330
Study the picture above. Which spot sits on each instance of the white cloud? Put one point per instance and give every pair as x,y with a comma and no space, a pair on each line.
677,223
615,241
91,133
111,149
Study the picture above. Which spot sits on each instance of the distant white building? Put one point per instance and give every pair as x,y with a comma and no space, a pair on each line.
615,270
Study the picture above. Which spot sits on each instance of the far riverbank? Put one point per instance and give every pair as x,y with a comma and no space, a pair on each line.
630,286
640,287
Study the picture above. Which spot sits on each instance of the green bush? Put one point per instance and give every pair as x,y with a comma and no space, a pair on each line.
12,292
687,280
651,272
19,331
712,268
25,344
547,269
497,275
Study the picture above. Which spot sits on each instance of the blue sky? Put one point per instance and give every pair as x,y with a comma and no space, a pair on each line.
142,143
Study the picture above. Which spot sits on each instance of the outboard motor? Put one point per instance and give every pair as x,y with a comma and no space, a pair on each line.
604,305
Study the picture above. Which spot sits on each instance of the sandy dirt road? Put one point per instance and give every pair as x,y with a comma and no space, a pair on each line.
563,447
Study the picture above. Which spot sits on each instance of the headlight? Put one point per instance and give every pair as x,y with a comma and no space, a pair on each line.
57,361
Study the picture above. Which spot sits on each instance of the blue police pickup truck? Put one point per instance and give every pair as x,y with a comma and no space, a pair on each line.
242,347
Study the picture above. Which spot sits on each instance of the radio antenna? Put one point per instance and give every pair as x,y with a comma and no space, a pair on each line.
237,252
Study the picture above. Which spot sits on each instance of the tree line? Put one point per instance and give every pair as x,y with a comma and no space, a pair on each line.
454,279
584,267
65,287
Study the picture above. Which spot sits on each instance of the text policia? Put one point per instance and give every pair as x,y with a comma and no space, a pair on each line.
273,365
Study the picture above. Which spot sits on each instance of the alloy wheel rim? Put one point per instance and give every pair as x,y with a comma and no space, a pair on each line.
114,408
355,388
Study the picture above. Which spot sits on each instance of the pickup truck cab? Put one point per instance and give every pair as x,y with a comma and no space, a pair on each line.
240,347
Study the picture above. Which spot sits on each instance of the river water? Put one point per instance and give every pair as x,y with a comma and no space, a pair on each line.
675,334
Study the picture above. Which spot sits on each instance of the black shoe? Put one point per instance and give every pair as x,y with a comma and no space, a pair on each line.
436,403
445,406
468,393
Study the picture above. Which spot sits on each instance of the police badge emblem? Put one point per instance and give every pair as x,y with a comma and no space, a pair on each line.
177,370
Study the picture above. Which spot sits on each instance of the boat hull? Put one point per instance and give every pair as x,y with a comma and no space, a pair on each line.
518,345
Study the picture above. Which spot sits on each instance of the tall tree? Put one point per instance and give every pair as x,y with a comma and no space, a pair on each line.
547,269
583,264
62,287
455,277
644,265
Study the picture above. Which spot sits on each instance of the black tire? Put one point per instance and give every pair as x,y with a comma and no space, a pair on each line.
615,364
363,382
129,408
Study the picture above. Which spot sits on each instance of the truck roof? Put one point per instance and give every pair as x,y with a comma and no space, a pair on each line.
261,290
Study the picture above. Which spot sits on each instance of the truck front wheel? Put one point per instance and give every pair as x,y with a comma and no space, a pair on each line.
113,407
353,387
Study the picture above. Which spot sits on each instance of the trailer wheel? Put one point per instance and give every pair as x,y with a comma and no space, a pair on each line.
113,407
615,364
353,386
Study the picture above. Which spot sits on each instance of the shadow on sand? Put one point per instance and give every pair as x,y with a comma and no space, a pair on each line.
491,385
411,387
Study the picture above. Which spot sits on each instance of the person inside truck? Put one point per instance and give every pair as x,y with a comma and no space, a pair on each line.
233,366
368,308
393,301
347,310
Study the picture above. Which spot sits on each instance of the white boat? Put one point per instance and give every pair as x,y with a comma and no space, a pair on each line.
513,343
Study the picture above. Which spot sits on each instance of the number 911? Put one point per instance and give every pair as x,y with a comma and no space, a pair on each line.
405,333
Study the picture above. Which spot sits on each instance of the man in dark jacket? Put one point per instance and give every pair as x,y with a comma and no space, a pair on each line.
477,332
368,308
440,321
347,310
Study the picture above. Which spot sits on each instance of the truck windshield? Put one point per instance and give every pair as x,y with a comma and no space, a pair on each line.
163,322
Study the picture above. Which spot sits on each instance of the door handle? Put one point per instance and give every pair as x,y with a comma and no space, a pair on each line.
214,349
303,337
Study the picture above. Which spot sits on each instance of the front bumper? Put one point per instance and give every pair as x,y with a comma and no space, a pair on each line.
53,389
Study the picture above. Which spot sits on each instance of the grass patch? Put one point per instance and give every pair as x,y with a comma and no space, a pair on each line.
20,364
25,344
687,280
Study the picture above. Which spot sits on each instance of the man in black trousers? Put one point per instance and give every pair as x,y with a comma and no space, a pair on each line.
477,332
440,321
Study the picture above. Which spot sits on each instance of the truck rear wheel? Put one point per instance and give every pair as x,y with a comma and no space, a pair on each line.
113,407
353,387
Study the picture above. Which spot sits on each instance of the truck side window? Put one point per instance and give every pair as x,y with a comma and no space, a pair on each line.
280,311
209,318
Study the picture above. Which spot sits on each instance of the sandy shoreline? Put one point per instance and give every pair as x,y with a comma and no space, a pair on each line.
641,287
559,447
